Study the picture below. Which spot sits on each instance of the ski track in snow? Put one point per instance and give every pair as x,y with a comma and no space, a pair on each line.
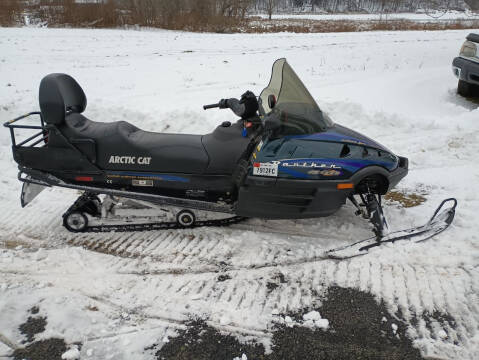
396,87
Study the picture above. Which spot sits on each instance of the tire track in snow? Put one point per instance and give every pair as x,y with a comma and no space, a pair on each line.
186,264
413,289
251,295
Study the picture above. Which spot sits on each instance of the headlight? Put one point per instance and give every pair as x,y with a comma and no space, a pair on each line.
468,49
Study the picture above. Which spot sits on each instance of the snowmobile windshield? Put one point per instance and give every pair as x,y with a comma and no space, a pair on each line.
294,109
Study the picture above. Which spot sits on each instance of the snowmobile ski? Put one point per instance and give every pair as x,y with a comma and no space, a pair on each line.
440,221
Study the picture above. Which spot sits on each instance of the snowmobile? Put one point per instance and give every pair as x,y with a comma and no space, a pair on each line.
283,159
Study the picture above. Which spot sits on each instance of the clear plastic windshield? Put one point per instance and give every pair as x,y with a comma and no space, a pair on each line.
295,108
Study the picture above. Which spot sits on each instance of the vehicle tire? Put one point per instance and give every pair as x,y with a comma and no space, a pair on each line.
467,90
75,221
185,218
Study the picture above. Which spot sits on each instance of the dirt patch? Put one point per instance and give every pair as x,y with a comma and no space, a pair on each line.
360,328
275,282
50,349
34,310
445,322
271,286
224,277
406,200
33,325
202,342
442,318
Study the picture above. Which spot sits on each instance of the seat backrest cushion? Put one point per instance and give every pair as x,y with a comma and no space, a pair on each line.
58,94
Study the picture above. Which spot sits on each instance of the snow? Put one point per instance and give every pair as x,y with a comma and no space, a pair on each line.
430,16
396,87
313,319
72,354
313,315
243,357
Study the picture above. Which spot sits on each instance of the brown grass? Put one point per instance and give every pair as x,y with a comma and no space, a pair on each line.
13,244
323,26
193,15
406,200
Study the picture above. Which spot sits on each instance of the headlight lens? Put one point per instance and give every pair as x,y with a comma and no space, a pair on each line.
468,49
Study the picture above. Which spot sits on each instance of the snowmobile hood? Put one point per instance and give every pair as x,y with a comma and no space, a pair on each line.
339,133
287,104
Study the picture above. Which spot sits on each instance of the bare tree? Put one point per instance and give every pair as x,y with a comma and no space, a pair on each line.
473,4
270,7
436,8
10,11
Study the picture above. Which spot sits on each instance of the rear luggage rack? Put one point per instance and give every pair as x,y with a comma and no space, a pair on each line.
37,138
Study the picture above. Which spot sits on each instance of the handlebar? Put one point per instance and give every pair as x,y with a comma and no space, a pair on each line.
211,106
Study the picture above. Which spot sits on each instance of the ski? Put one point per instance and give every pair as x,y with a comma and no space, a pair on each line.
440,221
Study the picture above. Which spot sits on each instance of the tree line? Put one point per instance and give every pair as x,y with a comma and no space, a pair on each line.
195,15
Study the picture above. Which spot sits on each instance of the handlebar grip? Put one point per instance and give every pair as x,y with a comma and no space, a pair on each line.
211,106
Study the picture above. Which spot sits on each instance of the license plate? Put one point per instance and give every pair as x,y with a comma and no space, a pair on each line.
265,169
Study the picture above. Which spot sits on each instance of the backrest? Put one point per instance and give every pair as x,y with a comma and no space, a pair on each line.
58,94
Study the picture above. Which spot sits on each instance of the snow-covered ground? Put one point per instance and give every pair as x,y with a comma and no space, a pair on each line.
429,16
120,293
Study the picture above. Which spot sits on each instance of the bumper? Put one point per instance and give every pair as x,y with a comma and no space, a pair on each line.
466,70
401,171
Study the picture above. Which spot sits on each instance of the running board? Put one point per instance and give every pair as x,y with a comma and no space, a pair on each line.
40,178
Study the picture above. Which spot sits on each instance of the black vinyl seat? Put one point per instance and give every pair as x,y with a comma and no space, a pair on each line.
122,146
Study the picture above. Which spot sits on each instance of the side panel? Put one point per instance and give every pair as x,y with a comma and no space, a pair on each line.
279,198
273,198
52,159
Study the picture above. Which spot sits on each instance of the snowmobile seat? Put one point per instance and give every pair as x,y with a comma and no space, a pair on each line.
116,145
122,146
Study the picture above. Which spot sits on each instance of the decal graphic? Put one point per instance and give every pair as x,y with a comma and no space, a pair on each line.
114,159
325,172
266,169
141,175
310,164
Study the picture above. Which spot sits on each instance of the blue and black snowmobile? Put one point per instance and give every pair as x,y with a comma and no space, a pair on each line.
284,159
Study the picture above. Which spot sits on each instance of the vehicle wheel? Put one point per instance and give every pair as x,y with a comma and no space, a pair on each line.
75,221
467,90
185,218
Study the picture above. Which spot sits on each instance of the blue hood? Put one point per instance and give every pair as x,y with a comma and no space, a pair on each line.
343,134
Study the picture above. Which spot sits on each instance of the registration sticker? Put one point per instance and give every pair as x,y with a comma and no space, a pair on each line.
142,182
265,169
